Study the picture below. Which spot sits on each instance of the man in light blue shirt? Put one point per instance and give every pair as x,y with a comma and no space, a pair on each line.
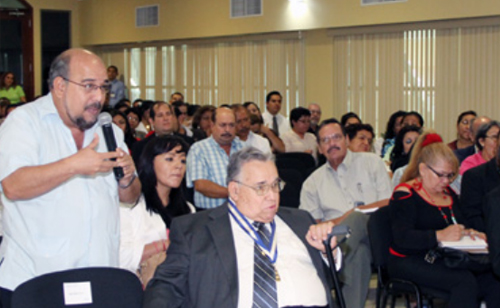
208,159
117,90
59,192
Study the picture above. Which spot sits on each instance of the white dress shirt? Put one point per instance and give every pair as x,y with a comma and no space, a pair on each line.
283,123
299,284
258,142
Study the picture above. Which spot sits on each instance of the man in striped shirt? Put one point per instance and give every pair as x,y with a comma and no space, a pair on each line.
208,159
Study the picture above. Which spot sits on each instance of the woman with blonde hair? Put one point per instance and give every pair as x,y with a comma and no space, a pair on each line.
425,211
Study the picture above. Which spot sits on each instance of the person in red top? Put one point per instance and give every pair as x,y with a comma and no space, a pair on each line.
425,211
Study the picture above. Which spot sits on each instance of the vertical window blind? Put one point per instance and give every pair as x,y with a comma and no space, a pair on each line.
215,72
438,72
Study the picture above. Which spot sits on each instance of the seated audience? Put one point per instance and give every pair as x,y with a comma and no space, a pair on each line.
349,119
347,181
253,108
405,139
393,126
144,227
412,118
202,121
424,212
181,110
359,137
464,138
228,256
208,159
476,183
162,120
10,89
298,139
176,97
244,132
257,122
137,103
315,110
120,119
409,118
122,105
191,111
134,119
145,109
487,144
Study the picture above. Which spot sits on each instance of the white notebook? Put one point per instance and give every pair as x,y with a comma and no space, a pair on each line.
465,243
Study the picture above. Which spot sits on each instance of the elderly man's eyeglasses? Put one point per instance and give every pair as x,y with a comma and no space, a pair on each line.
448,176
90,87
263,189
334,137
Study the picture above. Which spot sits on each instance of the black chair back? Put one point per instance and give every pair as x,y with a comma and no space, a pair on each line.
302,162
380,234
290,196
110,287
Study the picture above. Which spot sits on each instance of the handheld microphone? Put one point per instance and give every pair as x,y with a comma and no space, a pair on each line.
105,121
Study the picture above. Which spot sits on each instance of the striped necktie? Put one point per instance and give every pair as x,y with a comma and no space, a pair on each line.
264,279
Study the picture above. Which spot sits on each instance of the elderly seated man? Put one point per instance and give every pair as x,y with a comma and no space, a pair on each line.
247,252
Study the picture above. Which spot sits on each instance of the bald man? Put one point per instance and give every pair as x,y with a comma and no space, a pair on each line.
58,188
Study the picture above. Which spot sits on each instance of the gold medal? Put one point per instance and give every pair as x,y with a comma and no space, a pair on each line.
278,278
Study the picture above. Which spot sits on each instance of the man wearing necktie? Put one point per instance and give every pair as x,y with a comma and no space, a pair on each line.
272,117
245,253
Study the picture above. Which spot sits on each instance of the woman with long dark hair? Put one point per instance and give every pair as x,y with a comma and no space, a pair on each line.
405,139
144,227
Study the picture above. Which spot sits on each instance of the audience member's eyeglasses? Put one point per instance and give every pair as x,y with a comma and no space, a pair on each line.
335,137
133,119
90,87
263,189
449,176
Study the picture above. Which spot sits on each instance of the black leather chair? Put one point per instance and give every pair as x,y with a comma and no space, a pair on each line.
290,196
110,287
380,234
302,162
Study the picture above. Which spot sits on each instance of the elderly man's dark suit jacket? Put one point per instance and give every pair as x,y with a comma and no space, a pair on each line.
200,269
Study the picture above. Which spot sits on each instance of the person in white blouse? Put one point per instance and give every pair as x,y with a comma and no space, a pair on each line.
144,227
298,139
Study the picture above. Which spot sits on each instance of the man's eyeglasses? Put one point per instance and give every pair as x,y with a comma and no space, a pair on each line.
449,176
263,189
335,137
90,87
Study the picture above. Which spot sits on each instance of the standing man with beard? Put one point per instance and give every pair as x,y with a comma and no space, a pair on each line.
60,195
208,159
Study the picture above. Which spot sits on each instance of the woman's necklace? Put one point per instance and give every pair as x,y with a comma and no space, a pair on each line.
445,217
419,186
